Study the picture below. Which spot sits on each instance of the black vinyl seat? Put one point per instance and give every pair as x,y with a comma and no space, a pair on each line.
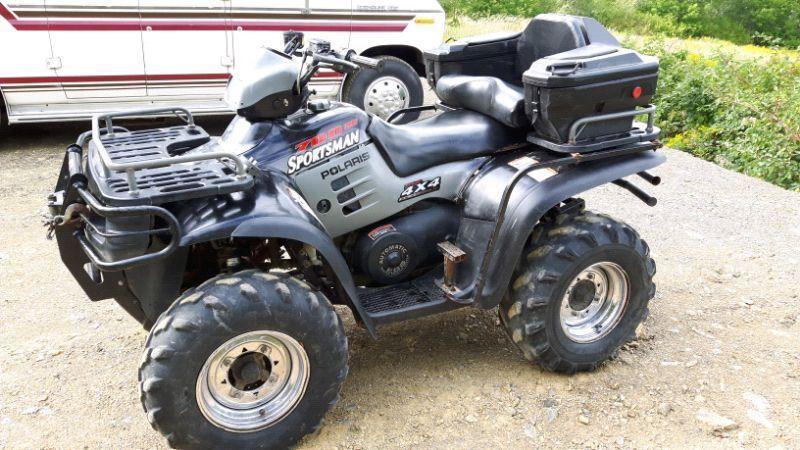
450,136
504,99
492,96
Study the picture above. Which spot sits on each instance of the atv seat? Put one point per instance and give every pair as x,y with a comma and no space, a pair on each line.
470,85
450,136
492,96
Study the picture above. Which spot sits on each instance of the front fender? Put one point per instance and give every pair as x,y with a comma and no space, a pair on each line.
531,199
273,209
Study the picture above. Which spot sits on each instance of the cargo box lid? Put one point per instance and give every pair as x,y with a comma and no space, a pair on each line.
474,47
593,63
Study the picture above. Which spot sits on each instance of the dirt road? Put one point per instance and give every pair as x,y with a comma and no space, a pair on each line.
717,365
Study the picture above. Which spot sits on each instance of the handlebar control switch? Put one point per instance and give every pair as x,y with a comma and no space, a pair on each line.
319,45
319,105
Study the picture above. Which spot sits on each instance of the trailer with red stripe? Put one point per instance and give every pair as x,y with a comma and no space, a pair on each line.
70,59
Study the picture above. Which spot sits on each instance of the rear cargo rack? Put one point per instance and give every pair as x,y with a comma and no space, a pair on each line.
641,132
148,167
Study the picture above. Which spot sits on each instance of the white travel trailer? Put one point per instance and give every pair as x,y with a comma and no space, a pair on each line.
69,59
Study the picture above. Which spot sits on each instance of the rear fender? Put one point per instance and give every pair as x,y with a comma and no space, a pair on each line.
532,197
274,209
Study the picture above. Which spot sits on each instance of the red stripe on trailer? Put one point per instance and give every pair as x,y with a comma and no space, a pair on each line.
122,78
190,24
113,78
6,13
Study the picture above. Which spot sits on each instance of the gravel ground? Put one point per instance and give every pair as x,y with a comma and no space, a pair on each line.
717,364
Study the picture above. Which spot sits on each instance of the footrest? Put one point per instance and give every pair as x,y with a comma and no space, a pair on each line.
416,298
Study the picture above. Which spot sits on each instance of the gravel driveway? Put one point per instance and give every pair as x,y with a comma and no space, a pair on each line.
716,365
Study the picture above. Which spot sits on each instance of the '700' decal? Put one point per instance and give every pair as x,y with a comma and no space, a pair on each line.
316,149
419,187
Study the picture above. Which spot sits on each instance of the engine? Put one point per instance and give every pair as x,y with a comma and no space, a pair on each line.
394,250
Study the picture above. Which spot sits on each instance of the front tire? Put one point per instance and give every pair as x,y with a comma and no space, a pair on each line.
248,360
382,92
580,290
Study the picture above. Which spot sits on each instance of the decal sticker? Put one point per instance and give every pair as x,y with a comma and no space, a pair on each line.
419,187
380,231
314,150
300,201
537,174
342,166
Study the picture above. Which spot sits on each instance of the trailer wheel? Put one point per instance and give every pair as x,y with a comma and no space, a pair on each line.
579,291
3,118
382,92
247,360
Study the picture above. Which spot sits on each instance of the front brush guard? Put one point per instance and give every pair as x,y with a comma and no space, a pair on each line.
71,204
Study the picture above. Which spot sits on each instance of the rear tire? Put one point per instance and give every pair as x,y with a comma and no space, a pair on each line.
368,88
579,291
248,360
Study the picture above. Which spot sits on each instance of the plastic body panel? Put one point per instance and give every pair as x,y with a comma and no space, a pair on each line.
279,143
533,196
275,210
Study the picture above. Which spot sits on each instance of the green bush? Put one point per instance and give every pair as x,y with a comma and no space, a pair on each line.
743,114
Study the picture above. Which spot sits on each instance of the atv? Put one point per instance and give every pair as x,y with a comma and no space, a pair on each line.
233,251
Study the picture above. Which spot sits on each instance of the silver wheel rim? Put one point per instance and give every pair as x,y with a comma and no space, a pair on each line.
594,302
252,381
385,96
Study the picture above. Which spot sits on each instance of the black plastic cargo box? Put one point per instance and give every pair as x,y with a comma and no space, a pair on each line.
589,81
576,76
491,55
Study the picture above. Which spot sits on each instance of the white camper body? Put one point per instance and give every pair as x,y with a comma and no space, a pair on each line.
69,59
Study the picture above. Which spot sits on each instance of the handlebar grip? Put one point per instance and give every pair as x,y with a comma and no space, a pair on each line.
364,61
340,65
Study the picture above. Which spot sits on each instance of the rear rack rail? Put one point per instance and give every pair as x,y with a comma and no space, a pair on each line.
640,132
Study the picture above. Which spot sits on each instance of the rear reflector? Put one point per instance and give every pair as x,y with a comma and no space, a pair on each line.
637,92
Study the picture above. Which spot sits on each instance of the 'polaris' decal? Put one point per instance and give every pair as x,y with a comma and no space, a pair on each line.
350,163
419,187
313,151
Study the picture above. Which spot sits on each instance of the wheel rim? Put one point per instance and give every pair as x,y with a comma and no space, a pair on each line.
252,381
594,302
385,96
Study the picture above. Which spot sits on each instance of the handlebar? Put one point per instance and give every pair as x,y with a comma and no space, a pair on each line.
340,65
345,62
363,61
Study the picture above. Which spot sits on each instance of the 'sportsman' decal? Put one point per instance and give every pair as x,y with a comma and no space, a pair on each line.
313,151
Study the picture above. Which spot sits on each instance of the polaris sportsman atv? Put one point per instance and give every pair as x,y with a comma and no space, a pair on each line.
232,251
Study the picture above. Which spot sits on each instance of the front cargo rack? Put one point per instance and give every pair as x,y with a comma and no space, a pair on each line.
150,166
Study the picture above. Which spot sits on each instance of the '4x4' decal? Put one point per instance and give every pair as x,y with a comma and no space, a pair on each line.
419,187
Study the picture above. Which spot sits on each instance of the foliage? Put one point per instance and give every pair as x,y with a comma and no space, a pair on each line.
743,114
760,22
